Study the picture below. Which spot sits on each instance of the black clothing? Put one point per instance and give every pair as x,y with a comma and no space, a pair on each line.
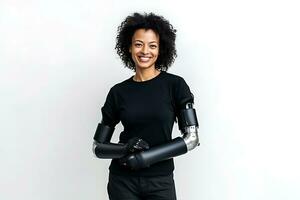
146,110
121,187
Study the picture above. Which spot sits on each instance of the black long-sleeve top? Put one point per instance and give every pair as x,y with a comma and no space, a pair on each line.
146,110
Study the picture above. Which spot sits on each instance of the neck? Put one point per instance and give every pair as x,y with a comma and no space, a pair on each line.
145,74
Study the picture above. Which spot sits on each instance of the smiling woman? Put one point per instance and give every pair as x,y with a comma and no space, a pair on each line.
144,51
147,104
164,33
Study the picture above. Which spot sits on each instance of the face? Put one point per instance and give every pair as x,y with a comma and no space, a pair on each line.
144,48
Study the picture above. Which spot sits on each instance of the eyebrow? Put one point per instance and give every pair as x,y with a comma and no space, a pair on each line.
143,42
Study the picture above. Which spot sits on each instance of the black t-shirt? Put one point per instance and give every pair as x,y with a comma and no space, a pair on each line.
146,110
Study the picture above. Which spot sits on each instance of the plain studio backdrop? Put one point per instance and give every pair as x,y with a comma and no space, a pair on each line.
240,58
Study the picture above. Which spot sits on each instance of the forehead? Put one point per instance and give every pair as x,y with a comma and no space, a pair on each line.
145,35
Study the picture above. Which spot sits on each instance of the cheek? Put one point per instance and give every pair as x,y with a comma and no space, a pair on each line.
156,53
133,53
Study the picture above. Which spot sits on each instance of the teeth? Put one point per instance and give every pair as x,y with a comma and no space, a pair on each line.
144,59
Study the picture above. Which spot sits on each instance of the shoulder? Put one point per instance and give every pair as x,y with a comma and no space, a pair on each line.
171,76
181,89
174,78
119,86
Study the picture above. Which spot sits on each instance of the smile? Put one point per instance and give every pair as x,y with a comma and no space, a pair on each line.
144,58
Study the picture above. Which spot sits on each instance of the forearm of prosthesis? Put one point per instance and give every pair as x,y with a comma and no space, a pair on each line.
103,148
109,150
175,147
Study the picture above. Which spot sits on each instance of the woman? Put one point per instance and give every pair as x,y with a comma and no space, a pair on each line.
147,104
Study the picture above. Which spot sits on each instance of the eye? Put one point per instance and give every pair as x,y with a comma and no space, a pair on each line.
137,44
153,46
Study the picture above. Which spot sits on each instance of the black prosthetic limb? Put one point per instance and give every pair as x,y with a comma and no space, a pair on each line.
188,125
110,150
103,148
158,153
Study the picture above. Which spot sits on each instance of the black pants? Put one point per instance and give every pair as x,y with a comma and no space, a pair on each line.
141,188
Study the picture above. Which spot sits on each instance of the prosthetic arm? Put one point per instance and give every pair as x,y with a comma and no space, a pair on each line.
102,148
188,126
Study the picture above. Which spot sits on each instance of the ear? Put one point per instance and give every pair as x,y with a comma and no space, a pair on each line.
130,49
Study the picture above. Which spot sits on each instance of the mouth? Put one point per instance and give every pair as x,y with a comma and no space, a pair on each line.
144,58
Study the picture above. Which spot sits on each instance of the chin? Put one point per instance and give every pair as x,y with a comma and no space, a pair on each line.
144,67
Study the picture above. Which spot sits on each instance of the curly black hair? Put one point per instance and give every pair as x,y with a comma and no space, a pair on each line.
161,26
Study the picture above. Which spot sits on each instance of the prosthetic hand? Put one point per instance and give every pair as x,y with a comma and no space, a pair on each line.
102,147
188,125
132,161
136,144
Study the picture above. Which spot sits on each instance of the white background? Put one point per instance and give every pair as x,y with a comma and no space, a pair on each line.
240,58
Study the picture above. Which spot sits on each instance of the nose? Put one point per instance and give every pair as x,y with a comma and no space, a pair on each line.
145,49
